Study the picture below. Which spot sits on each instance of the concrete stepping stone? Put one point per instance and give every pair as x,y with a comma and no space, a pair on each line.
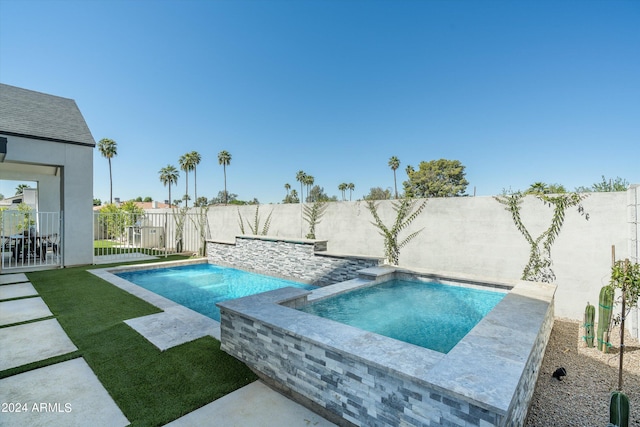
175,326
17,291
31,342
64,394
22,310
6,279
252,405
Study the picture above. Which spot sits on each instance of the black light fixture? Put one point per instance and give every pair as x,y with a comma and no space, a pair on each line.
3,148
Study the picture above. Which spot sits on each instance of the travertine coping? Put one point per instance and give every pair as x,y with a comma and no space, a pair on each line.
484,369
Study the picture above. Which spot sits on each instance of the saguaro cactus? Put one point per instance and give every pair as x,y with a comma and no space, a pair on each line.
619,409
589,322
604,315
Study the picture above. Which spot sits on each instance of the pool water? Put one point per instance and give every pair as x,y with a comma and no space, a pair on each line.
200,286
431,315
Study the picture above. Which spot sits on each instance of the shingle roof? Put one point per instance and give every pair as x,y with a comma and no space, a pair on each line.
38,115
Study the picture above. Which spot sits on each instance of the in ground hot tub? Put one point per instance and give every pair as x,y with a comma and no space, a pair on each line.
351,375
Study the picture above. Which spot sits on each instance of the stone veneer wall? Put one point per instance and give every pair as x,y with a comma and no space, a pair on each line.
526,387
301,260
344,385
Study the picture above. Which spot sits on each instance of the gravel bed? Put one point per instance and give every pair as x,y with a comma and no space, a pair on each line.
582,397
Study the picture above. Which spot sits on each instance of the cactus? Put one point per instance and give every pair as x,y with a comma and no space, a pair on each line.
604,315
619,409
589,322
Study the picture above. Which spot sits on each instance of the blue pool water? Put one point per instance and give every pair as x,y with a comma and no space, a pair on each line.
200,286
430,315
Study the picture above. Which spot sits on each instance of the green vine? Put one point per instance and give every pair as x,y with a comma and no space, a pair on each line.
179,217
626,277
312,215
538,268
202,225
405,215
255,227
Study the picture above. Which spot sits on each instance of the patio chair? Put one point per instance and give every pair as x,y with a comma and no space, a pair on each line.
50,242
30,246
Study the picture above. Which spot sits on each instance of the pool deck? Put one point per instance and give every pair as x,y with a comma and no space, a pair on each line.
69,394
176,325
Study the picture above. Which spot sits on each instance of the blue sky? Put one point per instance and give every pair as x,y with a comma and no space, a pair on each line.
518,91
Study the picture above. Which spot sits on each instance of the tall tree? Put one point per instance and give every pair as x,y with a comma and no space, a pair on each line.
351,186
195,158
343,187
437,178
394,163
301,177
186,164
544,188
287,187
377,193
605,185
317,194
224,158
169,175
309,180
291,197
20,188
109,149
538,188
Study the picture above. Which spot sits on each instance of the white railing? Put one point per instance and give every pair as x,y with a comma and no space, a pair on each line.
125,236
30,239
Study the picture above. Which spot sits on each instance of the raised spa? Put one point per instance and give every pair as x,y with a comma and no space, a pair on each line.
429,314
356,377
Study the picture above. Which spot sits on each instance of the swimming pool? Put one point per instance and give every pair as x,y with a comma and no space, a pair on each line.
200,286
432,315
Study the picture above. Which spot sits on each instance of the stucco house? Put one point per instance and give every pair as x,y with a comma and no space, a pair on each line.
45,139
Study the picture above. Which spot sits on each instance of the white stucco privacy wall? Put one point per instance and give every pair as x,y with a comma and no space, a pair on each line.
473,235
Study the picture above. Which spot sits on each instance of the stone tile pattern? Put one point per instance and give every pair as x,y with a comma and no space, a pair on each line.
363,393
300,260
520,403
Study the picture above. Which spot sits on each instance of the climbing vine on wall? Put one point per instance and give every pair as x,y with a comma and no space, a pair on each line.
255,226
312,215
538,268
405,214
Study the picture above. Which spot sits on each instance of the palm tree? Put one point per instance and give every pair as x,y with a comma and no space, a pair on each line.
300,177
186,164
309,180
294,195
169,175
109,149
351,187
224,158
538,188
20,189
394,164
195,161
343,187
287,187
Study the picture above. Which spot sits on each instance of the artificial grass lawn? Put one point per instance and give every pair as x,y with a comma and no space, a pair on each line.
150,387
110,247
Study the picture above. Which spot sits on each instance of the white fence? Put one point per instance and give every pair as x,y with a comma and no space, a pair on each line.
125,236
30,239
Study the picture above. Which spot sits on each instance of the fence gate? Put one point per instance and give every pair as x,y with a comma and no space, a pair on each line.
30,239
125,236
